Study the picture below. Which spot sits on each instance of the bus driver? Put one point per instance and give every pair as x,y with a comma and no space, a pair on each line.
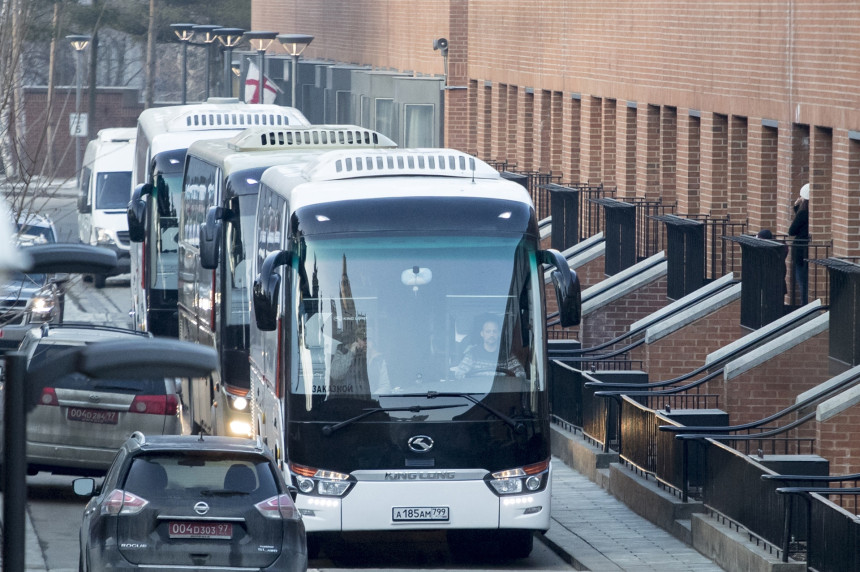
486,357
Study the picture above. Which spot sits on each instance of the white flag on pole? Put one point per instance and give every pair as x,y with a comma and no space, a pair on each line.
252,80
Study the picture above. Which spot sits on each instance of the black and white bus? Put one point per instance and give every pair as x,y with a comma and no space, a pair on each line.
163,136
216,237
398,351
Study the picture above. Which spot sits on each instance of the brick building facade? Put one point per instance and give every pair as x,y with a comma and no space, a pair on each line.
720,107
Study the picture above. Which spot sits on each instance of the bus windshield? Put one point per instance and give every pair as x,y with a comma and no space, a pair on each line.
376,318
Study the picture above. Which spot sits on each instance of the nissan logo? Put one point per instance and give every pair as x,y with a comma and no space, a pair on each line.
201,508
420,443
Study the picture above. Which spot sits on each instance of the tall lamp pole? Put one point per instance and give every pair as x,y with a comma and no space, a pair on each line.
184,32
79,43
295,44
261,41
207,33
229,38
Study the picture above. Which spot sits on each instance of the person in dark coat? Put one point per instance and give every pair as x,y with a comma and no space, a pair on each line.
799,230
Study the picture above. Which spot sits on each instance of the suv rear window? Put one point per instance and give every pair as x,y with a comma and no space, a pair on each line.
189,473
144,386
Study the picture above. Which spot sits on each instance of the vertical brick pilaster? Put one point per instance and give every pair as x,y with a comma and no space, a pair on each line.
688,163
592,136
794,162
500,140
846,205
474,118
557,143
714,165
763,173
485,121
737,169
625,146
457,125
610,120
669,154
512,148
572,151
526,149
648,153
821,176
543,131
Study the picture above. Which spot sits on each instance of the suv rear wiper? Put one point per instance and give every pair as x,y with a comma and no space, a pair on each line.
329,429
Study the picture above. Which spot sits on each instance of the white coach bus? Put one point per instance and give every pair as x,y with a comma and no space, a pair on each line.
398,349
163,136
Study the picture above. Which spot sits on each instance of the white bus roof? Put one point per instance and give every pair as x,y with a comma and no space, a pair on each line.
225,117
260,147
391,173
117,134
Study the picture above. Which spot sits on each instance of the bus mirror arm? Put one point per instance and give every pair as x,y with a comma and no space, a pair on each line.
136,213
210,238
266,288
567,289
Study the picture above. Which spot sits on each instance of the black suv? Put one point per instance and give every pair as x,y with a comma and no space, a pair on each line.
191,502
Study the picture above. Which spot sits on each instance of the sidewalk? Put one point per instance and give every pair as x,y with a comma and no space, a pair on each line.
593,530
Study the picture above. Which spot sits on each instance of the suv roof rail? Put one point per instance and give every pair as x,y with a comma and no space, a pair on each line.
139,437
91,326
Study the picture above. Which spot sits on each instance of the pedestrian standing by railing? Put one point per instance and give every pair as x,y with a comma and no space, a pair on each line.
799,229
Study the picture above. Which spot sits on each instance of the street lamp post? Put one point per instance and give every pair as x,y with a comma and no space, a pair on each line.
229,38
295,44
261,41
79,43
207,33
184,32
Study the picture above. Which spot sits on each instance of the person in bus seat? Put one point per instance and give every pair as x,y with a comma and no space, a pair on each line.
486,356
361,367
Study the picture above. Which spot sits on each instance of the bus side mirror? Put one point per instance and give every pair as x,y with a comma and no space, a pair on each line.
83,206
266,288
136,212
567,289
210,238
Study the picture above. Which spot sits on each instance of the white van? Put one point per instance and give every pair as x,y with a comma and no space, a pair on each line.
105,190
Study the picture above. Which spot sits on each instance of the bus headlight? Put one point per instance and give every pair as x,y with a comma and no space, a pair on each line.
320,482
237,402
530,478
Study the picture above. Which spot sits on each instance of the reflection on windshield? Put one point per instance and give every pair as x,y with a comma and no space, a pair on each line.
168,196
377,318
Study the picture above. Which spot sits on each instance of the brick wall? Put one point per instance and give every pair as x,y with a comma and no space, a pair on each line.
774,385
614,319
836,440
115,107
684,350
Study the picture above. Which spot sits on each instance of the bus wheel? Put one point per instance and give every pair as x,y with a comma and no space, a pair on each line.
516,544
99,280
314,544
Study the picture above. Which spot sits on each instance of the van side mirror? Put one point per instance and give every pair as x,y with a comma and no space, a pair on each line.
84,207
567,290
210,238
136,212
266,288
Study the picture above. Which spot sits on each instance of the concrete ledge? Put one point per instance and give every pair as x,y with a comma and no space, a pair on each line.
649,501
578,454
732,550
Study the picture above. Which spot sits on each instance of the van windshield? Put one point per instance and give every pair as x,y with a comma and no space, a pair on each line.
113,190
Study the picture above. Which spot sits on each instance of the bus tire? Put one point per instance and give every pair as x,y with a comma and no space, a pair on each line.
99,280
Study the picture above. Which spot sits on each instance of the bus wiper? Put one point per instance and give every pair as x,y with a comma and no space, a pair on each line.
329,429
517,426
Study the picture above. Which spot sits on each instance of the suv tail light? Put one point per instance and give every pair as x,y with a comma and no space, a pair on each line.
49,397
280,506
122,502
155,404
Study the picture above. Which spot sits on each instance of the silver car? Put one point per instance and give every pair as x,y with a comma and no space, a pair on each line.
79,423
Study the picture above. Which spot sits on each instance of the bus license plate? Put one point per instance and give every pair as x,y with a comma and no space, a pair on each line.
92,415
209,530
419,513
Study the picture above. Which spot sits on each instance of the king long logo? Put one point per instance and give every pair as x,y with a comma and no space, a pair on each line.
420,443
